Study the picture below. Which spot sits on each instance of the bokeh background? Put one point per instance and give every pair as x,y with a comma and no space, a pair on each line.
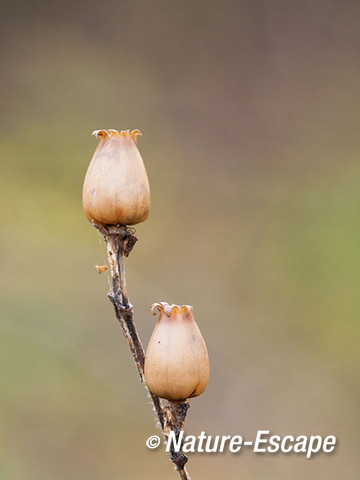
250,116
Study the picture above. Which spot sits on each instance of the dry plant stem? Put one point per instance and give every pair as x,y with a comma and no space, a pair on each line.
175,413
119,243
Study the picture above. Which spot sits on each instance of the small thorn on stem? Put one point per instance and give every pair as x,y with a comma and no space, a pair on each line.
101,268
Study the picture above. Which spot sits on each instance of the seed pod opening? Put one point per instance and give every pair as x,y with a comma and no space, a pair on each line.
116,187
177,362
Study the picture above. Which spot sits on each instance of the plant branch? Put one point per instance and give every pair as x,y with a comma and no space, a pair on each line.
119,242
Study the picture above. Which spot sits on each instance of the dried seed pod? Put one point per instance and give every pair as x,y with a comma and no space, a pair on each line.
177,362
116,187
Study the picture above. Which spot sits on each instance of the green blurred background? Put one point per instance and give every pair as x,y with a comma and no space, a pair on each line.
250,116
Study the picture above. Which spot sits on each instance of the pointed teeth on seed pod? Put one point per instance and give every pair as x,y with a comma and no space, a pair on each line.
168,309
100,134
134,134
111,132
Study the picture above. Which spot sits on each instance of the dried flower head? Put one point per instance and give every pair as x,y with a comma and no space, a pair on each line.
177,362
116,187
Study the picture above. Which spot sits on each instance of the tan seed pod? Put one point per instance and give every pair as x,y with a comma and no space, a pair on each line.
116,187
177,362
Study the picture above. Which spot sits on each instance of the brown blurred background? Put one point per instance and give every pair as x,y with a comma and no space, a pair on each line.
250,117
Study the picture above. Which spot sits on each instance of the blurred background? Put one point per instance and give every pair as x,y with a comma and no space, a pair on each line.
250,117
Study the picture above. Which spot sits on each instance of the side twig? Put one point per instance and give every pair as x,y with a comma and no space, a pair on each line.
119,242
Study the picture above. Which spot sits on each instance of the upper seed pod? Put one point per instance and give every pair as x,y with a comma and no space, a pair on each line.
177,362
116,187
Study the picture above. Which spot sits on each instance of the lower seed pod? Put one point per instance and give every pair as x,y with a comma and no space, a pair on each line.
177,362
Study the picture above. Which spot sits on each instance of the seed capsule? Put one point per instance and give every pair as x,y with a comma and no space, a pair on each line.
177,362
116,187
